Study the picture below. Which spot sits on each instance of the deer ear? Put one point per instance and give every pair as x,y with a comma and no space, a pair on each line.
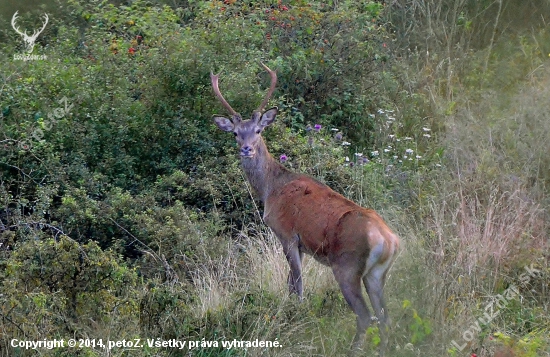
223,123
268,117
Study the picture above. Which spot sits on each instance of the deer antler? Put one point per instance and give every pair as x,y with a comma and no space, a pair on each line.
273,75
214,79
37,32
13,19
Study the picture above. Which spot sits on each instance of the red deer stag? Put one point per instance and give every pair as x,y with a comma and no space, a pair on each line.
308,217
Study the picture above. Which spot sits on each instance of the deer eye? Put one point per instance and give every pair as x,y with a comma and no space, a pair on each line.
235,133
258,131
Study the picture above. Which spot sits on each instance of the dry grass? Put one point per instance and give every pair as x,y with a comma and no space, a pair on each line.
265,267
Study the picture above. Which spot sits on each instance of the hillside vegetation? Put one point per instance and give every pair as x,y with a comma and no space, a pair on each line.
124,213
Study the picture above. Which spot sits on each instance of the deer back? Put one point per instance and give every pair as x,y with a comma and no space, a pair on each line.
327,223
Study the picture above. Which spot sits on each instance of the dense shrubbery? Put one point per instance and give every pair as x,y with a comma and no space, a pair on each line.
124,213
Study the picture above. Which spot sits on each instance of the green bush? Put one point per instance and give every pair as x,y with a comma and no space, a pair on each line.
54,288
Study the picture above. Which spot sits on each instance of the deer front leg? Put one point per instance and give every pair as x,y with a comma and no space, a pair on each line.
294,258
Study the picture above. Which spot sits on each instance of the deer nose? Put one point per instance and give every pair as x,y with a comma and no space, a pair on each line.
246,150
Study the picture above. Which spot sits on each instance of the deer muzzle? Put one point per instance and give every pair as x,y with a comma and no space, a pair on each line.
247,151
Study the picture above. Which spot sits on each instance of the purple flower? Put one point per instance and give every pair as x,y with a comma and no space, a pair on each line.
283,158
317,127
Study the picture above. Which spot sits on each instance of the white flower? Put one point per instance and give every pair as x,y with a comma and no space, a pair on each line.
426,129
409,151
387,150
358,154
391,118
375,153
334,129
347,159
381,111
345,143
391,136
408,138
418,156
427,135
395,157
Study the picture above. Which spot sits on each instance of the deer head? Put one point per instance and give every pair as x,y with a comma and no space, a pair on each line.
247,132
29,40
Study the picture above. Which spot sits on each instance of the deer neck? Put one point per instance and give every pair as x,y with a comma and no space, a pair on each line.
264,173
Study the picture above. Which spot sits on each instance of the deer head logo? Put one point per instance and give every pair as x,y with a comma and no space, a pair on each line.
29,40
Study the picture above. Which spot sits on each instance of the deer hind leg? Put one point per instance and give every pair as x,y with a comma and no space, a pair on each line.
374,283
348,275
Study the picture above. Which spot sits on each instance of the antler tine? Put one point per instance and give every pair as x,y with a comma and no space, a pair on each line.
214,79
273,75
14,25
44,25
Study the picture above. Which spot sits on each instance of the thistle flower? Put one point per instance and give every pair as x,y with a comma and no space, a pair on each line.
283,158
317,127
